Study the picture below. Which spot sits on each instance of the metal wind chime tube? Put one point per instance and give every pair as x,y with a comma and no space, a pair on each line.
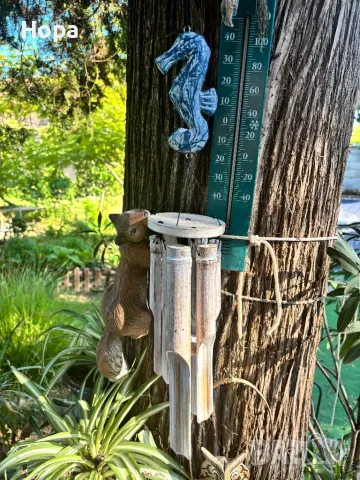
194,245
206,313
155,298
178,295
164,339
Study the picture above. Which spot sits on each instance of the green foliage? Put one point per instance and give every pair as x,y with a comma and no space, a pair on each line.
346,257
58,161
318,469
9,414
21,251
26,298
352,231
69,252
62,77
56,254
104,241
81,337
99,444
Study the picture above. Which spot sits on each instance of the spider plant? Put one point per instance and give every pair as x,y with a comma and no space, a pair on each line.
82,337
317,469
98,445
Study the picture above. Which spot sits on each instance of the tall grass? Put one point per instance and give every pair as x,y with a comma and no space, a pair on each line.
27,297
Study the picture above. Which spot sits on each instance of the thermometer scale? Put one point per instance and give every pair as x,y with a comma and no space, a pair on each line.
242,77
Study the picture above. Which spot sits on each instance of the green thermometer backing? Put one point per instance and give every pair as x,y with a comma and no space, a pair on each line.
242,77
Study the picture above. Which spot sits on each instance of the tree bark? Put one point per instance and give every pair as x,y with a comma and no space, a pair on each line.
314,75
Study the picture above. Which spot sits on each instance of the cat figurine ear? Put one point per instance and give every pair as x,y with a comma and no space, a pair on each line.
221,468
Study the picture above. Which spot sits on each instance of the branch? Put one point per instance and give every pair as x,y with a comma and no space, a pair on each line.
321,442
113,173
6,201
333,354
344,402
105,59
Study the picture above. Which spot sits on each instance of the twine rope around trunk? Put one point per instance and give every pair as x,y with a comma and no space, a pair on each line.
257,241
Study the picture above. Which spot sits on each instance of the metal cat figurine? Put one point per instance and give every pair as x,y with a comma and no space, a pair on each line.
185,93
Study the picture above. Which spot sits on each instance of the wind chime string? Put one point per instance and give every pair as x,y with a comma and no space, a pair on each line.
202,190
188,158
187,16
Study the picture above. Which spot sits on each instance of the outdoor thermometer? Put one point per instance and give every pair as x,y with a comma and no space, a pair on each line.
242,76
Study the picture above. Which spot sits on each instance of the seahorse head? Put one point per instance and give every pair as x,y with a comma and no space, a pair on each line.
186,44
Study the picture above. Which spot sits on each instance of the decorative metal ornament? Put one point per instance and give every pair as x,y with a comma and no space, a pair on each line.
221,468
229,10
185,298
185,93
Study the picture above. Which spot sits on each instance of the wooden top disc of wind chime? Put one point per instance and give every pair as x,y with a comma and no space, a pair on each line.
186,225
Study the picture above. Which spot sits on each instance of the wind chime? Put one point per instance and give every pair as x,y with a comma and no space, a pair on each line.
185,298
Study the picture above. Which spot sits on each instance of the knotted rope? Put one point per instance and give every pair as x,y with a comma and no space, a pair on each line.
257,241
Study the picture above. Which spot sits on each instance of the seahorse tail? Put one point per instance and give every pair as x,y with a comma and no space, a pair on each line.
190,140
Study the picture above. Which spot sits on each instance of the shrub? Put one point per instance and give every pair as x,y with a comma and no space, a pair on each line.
21,251
46,252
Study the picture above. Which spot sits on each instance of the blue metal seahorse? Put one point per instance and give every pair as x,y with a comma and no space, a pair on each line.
185,92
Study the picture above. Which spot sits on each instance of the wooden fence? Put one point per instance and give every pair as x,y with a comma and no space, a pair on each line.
86,280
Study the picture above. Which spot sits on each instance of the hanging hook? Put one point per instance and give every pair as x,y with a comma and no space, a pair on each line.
187,16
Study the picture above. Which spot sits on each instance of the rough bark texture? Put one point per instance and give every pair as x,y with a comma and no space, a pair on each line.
314,74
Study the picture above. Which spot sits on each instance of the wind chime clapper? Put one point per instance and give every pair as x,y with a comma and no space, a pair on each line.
185,298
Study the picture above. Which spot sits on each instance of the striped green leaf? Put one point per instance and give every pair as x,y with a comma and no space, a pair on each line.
135,424
60,473
105,413
29,454
102,398
118,468
60,437
150,464
111,429
83,476
48,466
152,452
133,467
54,418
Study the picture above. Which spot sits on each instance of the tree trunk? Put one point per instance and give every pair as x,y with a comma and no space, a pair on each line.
314,75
